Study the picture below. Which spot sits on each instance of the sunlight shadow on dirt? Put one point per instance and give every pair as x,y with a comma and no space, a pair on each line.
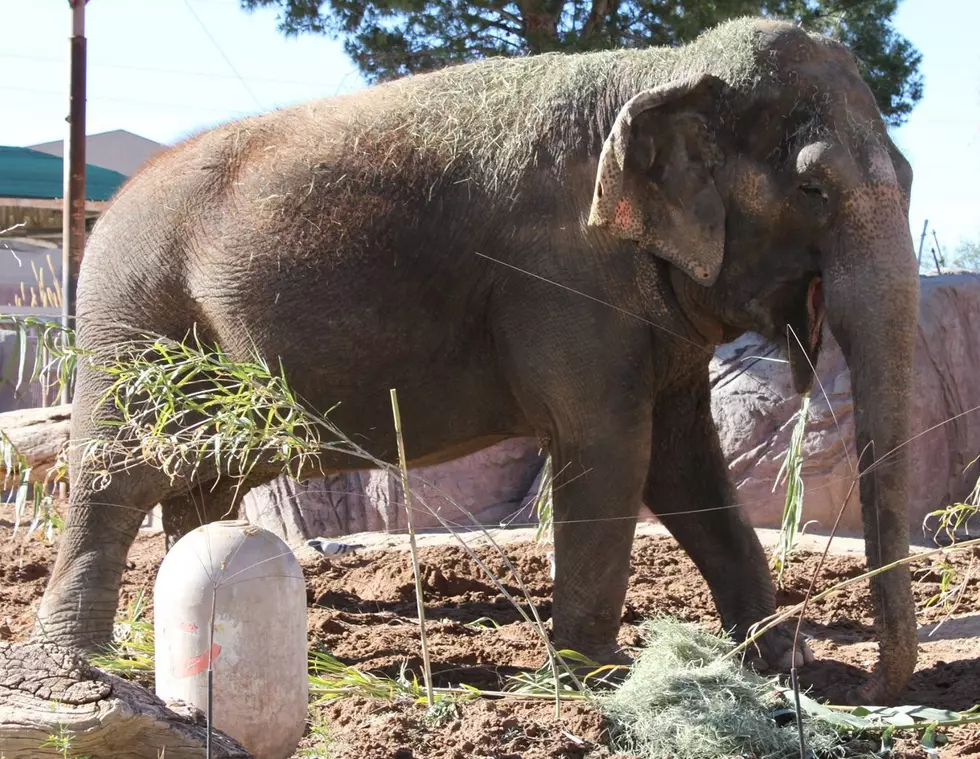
965,627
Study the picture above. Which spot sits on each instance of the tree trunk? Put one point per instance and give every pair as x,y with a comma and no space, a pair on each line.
39,434
48,690
540,19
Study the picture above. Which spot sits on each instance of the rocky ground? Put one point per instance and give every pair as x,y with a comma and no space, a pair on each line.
361,609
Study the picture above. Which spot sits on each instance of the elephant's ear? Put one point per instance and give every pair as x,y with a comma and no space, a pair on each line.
654,183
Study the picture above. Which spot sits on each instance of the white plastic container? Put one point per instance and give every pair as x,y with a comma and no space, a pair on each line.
258,652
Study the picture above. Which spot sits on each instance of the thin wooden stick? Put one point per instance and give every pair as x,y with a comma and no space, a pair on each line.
763,626
403,463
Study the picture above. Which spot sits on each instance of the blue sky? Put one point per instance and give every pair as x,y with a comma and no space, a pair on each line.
161,69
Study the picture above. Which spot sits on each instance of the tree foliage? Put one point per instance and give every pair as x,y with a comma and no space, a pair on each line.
392,38
967,255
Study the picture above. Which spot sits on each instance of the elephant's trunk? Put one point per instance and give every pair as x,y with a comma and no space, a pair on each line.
871,287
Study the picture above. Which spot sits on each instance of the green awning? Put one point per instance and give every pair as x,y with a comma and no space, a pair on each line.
26,173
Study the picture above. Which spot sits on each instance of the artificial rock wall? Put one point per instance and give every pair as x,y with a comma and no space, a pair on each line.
753,404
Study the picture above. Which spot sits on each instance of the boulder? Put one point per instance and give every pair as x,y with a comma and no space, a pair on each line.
753,404
496,485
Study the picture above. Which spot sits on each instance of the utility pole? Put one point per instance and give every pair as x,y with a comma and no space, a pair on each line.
922,240
937,252
73,213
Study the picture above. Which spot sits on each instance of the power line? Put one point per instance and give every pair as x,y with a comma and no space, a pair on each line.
160,70
125,100
222,54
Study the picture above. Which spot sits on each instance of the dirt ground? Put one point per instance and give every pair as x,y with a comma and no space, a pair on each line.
361,609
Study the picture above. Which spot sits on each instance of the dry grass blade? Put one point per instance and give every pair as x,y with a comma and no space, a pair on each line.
403,466
791,472
764,625
544,504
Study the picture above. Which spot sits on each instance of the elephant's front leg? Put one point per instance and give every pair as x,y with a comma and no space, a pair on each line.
689,491
597,491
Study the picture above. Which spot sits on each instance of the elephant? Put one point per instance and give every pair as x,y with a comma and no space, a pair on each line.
548,246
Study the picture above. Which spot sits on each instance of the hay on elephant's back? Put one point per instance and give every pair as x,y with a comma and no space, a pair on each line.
494,119
682,701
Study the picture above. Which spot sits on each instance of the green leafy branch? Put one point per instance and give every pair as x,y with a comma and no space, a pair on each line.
183,405
55,355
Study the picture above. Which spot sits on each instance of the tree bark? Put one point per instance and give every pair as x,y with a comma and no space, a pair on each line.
540,25
47,690
39,434
597,15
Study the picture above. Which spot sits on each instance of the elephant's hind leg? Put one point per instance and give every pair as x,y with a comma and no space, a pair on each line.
205,503
689,491
104,516
80,600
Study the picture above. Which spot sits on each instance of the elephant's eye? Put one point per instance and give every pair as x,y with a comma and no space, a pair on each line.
814,192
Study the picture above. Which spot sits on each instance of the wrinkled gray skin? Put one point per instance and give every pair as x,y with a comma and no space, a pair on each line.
412,236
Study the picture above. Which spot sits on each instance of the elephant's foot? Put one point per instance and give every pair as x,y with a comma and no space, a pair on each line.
875,692
775,652
66,628
890,678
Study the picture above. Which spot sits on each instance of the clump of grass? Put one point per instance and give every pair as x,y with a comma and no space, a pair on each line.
42,294
317,739
791,471
182,403
956,518
543,681
130,653
953,521
55,356
544,504
683,700
63,741
53,365
330,678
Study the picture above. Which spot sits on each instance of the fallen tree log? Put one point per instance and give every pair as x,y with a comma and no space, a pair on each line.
39,434
49,690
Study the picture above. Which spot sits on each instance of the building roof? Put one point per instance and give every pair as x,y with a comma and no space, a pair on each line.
117,149
26,173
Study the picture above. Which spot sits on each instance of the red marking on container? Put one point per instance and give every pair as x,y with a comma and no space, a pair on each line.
189,627
194,665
